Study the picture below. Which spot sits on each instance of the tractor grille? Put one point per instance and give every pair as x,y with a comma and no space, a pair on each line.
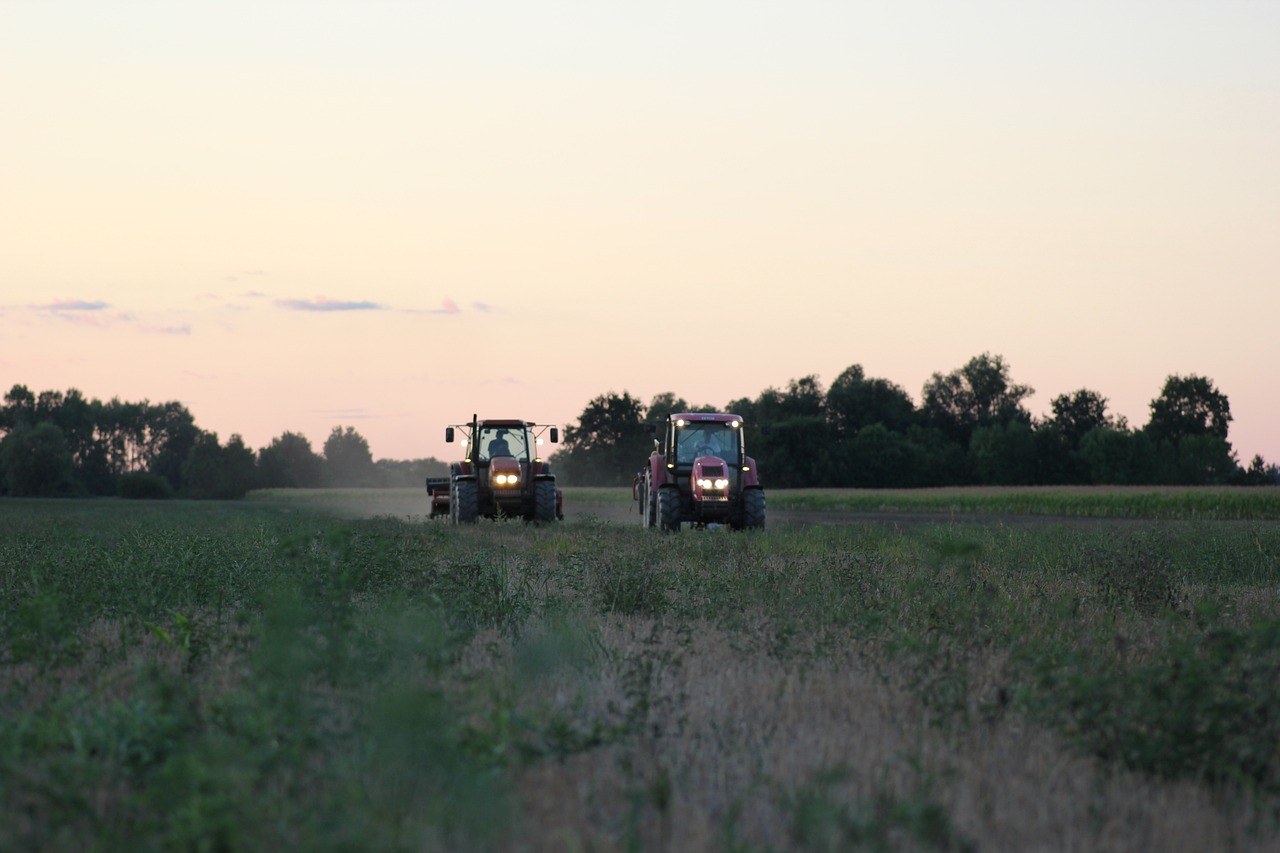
713,470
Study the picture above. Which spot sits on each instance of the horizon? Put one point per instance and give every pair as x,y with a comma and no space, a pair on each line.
293,218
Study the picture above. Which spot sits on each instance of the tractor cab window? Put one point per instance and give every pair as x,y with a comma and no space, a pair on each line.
706,439
501,441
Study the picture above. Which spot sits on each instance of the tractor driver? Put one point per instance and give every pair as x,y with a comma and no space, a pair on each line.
705,442
498,446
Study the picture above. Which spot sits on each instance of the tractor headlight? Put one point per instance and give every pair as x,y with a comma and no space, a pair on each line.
719,483
704,483
722,483
506,479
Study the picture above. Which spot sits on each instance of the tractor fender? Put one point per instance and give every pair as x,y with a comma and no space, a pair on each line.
750,477
658,473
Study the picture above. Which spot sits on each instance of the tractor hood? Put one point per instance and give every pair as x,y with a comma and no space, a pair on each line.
712,478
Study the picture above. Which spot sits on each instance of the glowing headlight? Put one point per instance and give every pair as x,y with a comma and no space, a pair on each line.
506,479
722,483
704,484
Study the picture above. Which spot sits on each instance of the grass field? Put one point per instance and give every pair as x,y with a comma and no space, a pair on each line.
326,670
1151,502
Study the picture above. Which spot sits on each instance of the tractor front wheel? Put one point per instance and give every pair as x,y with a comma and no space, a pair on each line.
544,500
753,509
669,508
467,503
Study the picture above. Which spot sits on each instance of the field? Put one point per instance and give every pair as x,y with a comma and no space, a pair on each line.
329,670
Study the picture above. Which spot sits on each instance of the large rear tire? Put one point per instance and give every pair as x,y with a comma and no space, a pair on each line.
467,502
544,500
669,508
753,509
649,504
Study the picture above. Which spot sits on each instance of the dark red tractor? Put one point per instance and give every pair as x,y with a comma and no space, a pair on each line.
700,474
502,474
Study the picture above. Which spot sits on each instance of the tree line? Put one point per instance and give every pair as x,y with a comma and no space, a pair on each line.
56,444
971,428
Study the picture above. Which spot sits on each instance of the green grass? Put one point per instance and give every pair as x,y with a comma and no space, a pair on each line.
1114,502
305,670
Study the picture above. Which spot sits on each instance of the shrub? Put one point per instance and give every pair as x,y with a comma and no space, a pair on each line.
143,485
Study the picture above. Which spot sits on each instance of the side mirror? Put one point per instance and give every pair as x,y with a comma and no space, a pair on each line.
555,435
448,434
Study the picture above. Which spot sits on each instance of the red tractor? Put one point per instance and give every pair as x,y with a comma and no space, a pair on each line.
502,474
700,474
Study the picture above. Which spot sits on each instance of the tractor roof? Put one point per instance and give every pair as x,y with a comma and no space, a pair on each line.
718,417
501,422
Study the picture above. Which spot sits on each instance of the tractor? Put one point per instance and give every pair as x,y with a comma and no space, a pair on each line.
502,474
700,474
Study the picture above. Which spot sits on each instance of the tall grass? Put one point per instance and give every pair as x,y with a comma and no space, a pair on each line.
282,672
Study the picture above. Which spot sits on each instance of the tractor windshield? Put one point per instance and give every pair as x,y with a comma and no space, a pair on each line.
502,441
710,438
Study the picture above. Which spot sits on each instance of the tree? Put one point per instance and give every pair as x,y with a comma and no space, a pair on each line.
1188,406
1259,473
347,458
855,402
978,394
222,473
803,398
608,444
1076,413
36,461
798,452
170,432
289,462
19,408
663,405
1198,460
879,458
1119,457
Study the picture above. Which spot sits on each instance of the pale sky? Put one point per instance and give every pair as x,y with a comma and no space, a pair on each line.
291,216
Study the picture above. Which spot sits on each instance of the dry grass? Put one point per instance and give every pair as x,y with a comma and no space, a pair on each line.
742,737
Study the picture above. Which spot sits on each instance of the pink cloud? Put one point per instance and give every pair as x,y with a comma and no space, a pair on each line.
325,304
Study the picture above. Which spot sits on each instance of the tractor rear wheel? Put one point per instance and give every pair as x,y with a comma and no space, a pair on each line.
753,509
467,502
669,508
544,500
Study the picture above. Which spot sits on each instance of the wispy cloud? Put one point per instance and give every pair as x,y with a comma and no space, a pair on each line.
183,329
447,306
59,306
483,307
325,304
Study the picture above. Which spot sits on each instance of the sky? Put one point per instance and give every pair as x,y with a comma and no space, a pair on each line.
291,216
